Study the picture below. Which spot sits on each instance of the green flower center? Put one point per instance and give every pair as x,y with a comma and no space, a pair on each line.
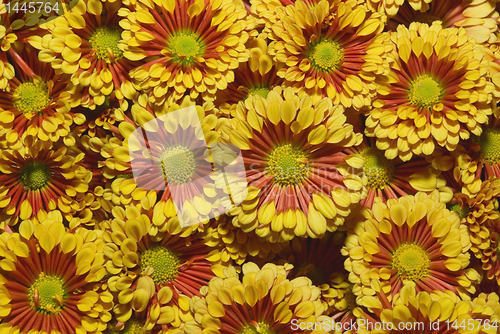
35,175
377,168
164,262
411,261
30,97
262,91
124,176
178,164
47,294
287,165
184,47
105,41
489,141
425,91
326,55
463,211
261,328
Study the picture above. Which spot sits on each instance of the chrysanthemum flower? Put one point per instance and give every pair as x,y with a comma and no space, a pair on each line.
479,157
257,76
331,51
46,279
41,178
185,184
437,94
85,44
188,45
478,18
263,301
288,146
149,262
37,102
413,240
432,313
477,210
237,245
387,179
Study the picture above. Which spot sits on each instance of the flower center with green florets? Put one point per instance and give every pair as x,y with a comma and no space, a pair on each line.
377,168
105,42
326,55
164,262
350,299
411,261
178,164
260,328
184,47
287,165
489,142
35,175
262,91
30,97
425,91
463,211
47,294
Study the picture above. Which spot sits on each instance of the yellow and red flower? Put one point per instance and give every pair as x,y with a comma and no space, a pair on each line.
37,103
437,94
288,145
413,240
263,301
333,50
188,45
46,276
41,178
85,45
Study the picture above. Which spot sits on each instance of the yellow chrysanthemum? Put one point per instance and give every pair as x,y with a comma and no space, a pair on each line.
85,44
334,50
263,301
154,264
413,240
387,179
42,177
430,313
438,92
289,145
37,104
479,157
256,77
187,184
189,46
478,18
46,279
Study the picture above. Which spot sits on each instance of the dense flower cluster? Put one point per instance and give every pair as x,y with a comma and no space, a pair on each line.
250,167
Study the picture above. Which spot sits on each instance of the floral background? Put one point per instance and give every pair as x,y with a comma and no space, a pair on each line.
370,136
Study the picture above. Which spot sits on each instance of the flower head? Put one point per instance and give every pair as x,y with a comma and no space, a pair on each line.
288,145
41,178
263,301
437,93
331,51
46,279
85,44
413,240
190,45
